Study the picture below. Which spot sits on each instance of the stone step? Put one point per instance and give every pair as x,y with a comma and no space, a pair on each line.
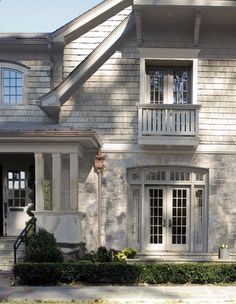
7,253
6,267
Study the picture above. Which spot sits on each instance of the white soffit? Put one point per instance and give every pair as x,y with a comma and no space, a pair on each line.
167,53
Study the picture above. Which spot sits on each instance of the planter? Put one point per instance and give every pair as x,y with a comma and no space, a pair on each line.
224,253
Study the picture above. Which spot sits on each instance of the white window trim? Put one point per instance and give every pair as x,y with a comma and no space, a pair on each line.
174,55
22,69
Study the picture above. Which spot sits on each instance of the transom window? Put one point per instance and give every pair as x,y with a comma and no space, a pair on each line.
12,83
168,85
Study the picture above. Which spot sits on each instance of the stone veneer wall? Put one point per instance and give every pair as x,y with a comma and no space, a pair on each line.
222,196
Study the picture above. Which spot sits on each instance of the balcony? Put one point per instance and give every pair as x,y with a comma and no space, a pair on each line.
168,125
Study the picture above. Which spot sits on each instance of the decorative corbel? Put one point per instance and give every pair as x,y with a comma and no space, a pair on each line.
197,25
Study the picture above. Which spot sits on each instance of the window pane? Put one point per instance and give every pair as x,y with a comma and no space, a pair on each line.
19,82
12,74
12,82
180,86
156,86
6,82
6,99
18,99
22,174
6,74
6,91
12,91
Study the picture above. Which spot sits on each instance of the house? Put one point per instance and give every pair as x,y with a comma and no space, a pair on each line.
149,88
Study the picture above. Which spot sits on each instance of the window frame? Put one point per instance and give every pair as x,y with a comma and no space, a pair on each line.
168,83
16,67
170,57
192,182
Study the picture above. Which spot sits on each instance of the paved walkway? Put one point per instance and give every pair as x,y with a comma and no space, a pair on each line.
121,294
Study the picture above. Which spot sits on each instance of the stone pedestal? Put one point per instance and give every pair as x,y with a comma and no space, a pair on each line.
224,253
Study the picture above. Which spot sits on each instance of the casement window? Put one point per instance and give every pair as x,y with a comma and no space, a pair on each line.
168,85
12,83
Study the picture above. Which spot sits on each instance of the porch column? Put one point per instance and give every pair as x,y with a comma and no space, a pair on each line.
56,181
74,167
39,178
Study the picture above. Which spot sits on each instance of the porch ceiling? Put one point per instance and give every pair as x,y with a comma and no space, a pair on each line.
178,14
153,15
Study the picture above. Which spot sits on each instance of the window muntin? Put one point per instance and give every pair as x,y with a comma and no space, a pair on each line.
169,85
156,216
157,86
155,175
12,86
180,87
179,176
179,216
16,184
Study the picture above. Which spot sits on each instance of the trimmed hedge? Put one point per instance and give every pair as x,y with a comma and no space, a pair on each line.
118,273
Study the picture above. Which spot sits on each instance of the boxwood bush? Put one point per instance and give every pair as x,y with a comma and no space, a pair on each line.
42,248
118,273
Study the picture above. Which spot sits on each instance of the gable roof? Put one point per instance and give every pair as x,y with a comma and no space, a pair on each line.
51,103
90,19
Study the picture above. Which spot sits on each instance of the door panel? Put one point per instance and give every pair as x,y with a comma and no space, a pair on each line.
1,204
167,218
178,204
16,201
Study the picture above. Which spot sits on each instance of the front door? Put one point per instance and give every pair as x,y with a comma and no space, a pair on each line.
166,216
15,200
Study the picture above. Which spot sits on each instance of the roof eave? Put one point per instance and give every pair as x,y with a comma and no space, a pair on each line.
89,20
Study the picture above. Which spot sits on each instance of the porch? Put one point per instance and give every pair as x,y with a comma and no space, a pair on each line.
54,158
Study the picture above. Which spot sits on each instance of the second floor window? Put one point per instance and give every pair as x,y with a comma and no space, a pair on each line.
12,86
168,85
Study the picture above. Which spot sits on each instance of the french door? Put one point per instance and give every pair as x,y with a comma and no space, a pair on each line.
166,218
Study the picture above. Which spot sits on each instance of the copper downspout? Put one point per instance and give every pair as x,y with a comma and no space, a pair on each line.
99,168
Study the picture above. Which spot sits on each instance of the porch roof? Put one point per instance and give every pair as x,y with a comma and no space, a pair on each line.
86,139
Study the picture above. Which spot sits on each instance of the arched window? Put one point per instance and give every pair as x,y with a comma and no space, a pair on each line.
12,83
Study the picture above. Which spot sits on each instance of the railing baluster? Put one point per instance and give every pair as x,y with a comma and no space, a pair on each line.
193,122
168,121
149,120
171,121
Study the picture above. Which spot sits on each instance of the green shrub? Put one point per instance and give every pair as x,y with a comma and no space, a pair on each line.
120,273
103,255
37,273
42,248
129,252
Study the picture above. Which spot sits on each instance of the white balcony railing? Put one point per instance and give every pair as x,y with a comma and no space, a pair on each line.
168,124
